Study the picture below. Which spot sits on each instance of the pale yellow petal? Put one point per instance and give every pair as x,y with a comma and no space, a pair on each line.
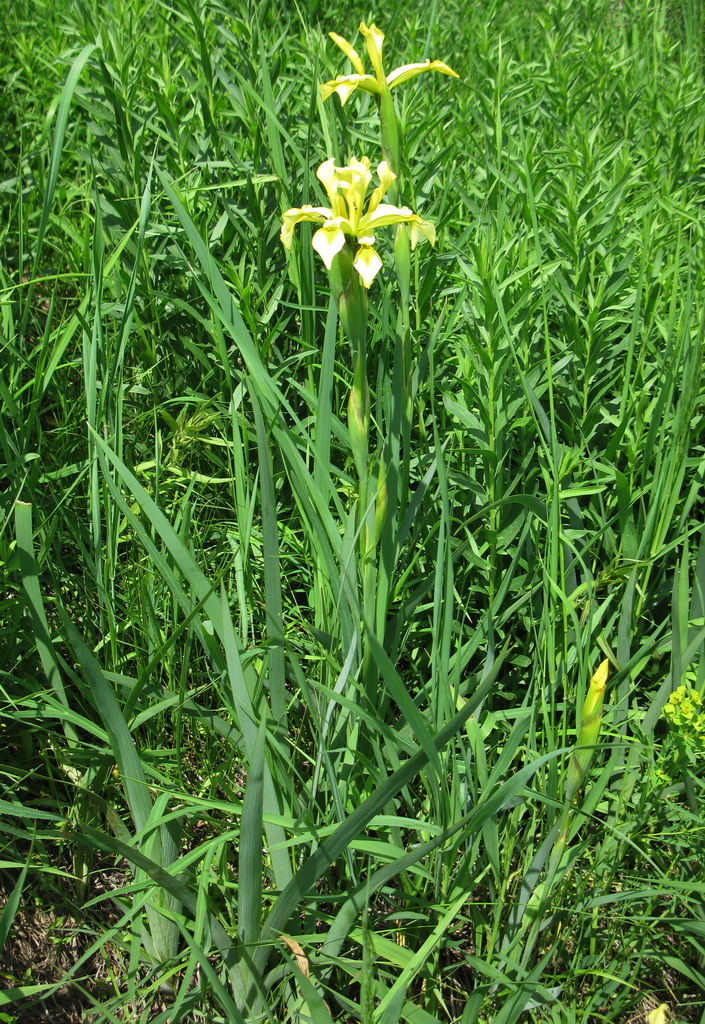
295,216
327,174
374,40
354,181
407,71
386,176
367,263
349,51
385,213
328,241
421,229
345,86
361,166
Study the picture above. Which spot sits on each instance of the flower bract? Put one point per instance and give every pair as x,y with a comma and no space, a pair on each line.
345,85
348,222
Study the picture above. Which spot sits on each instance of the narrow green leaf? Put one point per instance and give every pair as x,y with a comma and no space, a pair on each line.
35,605
272,574
11,907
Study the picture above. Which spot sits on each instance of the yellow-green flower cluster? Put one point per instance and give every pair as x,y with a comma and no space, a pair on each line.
682,710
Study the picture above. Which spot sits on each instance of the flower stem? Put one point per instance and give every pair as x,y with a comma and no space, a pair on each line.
392,151
351,298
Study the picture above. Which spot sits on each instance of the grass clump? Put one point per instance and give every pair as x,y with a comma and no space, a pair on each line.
257,767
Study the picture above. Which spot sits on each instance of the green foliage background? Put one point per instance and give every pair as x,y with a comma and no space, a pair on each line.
179,612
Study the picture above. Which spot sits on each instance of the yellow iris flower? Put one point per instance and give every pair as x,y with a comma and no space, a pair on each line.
376,84
347,222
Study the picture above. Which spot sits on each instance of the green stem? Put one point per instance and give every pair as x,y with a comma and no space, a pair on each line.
391,139
403,264
359,427
392,152
351,298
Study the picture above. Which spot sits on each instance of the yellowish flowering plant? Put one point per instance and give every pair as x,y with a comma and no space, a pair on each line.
345,85
683,748
682,710
578,765
347,222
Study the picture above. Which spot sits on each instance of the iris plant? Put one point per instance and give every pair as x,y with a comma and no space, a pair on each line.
346,242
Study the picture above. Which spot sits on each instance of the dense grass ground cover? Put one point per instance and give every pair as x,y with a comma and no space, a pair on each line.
204,746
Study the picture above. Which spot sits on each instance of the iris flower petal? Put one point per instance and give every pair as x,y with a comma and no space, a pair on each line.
328,241
367,263
349,51
345,86
354,181
327,175
387,214
374,40
296,215
407,71
421,229
386,176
